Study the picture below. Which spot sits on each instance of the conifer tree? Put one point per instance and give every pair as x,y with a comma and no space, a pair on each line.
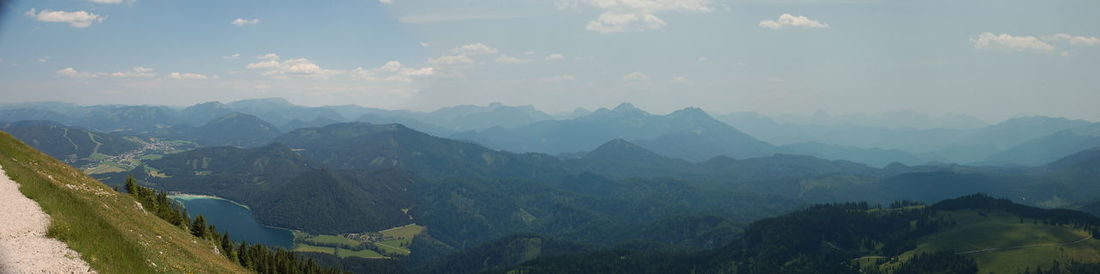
198,228
227,247
131,187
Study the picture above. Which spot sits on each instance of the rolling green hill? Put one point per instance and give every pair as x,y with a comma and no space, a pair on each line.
970,234
283,188
68,143
235,129
104,226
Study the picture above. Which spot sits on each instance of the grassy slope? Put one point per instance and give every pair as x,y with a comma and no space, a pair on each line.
340,252
402,237
106,227
1036,244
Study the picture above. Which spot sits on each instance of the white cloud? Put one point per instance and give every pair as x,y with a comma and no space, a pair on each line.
636,77
1073,40
474,49
136,72
681,80
392,71
241,21
43,59
634,15
558,79
787,20
425,44
451,60
1008,42
76,19
463,55
187,76
71,72
620,22
702,59
506,59
387,2
108,1
1045,43
232,57
269,56
273,66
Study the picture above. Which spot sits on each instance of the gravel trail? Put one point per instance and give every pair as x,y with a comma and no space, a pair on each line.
24,247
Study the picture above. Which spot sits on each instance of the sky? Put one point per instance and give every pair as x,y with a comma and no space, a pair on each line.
991,59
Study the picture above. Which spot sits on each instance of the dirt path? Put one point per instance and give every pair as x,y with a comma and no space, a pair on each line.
24,247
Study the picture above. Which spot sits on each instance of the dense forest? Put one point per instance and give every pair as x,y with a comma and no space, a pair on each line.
825,239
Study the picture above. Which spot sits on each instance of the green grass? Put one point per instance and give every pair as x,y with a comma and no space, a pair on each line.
99,156
365,253
393,247
310,248
400,238
406,232
339,252
104,226
150,157
1035,244
103,168
331,239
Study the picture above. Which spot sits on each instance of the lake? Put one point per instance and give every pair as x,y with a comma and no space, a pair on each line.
235,219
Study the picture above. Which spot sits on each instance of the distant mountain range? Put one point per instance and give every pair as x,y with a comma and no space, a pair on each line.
905,137
688,134
652,170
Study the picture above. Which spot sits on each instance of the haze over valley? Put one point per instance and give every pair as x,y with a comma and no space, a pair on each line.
564,136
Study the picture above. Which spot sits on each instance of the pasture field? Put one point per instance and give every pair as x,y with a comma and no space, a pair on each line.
395,243
339,252
1004,243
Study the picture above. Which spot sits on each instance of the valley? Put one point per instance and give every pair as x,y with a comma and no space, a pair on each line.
678,187
550,136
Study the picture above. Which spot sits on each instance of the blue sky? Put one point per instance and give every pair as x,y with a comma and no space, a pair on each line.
990,59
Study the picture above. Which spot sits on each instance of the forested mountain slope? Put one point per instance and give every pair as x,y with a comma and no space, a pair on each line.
970,234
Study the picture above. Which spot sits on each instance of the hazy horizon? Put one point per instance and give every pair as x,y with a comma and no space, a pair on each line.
784,117
992,60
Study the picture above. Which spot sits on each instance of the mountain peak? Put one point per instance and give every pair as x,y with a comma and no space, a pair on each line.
273,101
624,107
1088,158
619,149
690,112
237,116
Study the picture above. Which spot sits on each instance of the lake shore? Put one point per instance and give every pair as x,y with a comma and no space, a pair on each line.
189,196
182,197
